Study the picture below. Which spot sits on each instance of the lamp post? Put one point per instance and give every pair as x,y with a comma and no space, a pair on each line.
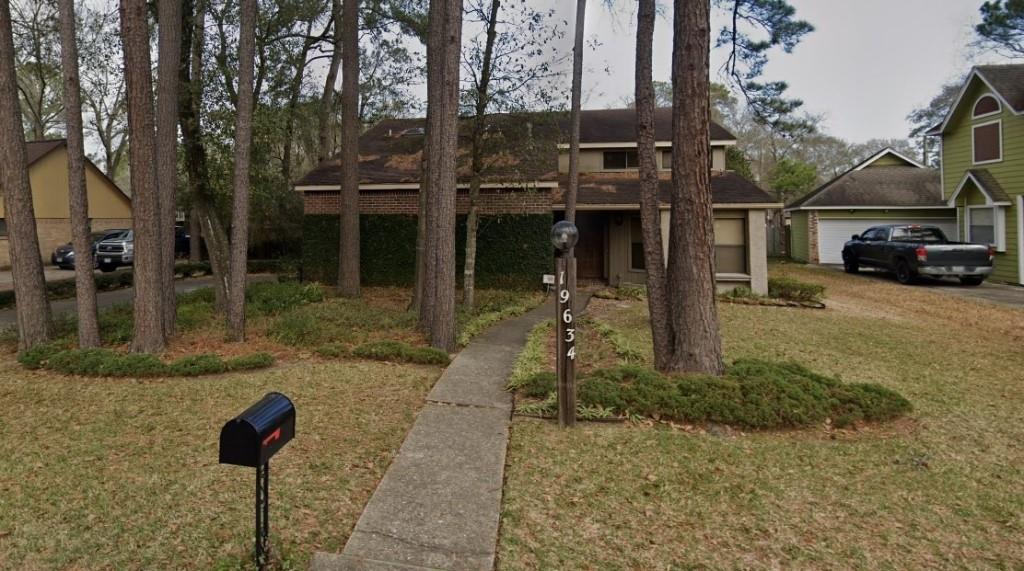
564,236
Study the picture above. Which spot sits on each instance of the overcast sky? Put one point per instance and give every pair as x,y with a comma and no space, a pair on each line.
867,64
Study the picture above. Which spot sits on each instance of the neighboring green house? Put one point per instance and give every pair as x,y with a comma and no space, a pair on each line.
885,188
983,163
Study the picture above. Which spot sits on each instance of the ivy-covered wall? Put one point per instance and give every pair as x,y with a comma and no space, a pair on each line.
513,250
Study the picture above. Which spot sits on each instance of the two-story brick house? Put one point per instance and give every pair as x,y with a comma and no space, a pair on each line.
983,164
523,194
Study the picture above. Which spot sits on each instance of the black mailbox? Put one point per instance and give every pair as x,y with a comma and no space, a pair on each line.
251,438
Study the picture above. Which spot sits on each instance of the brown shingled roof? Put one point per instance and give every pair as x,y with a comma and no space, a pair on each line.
39,149
624,188
878,186
1008,81
523,146
619,125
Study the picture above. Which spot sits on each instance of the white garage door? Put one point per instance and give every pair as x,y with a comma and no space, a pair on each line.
834,232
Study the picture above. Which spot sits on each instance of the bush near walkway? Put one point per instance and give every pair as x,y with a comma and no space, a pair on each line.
938,489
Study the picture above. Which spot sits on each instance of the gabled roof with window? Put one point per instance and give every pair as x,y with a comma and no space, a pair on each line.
886,179
984,182
1005,81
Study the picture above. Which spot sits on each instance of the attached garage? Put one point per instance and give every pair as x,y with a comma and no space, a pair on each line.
834,232
887,188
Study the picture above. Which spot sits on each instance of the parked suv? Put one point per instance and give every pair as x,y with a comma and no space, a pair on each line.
116,251
64,256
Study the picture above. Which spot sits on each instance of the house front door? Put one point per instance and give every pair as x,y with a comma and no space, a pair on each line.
590,248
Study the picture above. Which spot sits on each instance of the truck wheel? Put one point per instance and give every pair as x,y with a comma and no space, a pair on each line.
971,280
850,266
903,273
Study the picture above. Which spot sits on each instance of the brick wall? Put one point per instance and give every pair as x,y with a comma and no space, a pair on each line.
812,237
492,201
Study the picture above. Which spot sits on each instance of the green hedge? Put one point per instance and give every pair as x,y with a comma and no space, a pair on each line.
512,249
65,288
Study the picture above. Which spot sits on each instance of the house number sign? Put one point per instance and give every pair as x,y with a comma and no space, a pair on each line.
565,274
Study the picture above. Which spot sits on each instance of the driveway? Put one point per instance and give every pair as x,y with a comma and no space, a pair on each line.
991,292
50,273
108,298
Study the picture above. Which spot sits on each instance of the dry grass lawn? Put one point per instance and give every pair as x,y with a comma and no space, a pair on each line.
121,473
943,488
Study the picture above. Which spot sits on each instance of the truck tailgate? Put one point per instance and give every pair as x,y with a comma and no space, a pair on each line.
957,255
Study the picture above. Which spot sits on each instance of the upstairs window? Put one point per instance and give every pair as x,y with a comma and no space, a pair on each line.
985,105
987,142
618,160
666,160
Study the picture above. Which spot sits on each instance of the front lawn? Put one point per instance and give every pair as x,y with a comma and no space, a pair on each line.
938,489
121,472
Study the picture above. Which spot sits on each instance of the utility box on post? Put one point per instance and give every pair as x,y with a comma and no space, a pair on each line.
251,439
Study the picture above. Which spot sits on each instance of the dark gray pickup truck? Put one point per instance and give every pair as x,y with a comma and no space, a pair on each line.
910,251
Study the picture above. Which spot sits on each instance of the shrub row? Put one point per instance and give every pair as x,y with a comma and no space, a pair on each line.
394,351
752,394
794,290
109,363
513,250
401,352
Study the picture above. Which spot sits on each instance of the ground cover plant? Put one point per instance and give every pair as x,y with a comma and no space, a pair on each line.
753,393
938,488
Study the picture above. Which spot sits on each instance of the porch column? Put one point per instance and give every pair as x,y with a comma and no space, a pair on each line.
757,251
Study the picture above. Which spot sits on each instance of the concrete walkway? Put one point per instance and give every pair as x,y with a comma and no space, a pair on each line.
108,298
439,503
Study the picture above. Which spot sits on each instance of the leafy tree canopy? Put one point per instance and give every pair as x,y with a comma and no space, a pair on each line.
1002,27
792,178
756,27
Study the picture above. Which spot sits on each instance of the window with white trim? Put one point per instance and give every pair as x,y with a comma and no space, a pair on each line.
985,105
981,225
987,142
730,246
619,160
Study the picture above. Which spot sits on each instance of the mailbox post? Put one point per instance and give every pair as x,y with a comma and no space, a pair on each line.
564,236
251,439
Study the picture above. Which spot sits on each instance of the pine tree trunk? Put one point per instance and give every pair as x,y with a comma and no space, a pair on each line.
697,346
243,141
442,129
324,148
32,308
476,163
426,223
169,54
85,283
574,113
348,251
212,231
658,301
148,335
